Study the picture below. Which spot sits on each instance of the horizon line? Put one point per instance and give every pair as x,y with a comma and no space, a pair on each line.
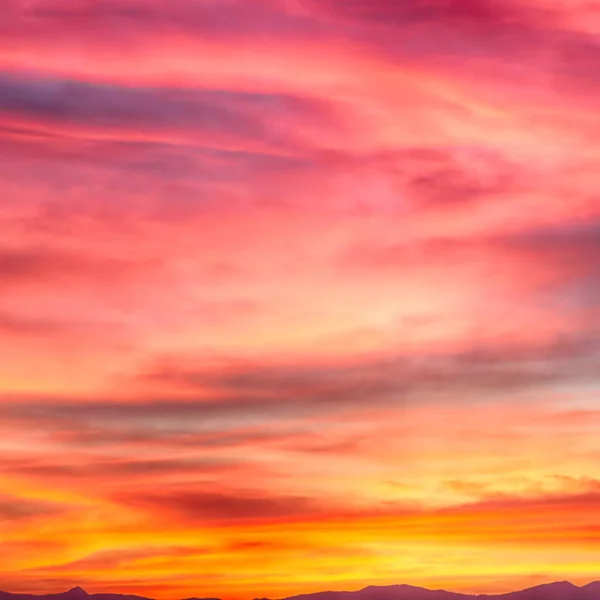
81,589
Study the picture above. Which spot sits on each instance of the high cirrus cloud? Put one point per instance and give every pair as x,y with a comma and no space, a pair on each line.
246,394
253,118
446,12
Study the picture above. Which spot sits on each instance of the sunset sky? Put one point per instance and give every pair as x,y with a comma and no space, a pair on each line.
299,295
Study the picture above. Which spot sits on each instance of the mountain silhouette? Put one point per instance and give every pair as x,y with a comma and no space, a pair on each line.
562,590
77,593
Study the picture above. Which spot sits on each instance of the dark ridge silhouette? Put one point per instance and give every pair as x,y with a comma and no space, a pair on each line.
561,590
77,593
592,587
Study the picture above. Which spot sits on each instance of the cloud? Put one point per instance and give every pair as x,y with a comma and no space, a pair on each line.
14,509
531,265
527,519
235,116
122,558
98,471
214,19
194,507
195,401
26,265
477,366
18,325
446,12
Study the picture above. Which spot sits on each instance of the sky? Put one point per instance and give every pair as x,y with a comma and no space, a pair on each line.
299,295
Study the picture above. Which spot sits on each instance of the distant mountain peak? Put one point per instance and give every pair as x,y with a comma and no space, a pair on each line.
402,588
77,591
557,585
398,586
